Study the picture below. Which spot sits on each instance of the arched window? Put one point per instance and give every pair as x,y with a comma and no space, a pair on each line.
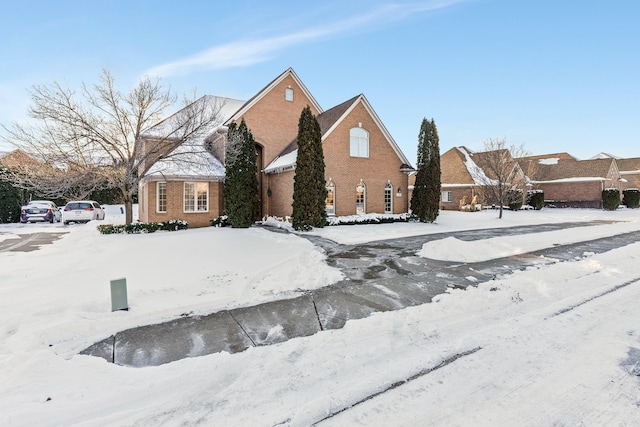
388,198
330,202
359,142
361,198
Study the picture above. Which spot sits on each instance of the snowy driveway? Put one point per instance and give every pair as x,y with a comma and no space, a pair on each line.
27,242
379,276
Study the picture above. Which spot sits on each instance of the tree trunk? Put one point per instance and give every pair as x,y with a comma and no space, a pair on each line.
128,210
127,195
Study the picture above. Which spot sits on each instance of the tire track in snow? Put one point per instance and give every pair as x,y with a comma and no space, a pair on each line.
608,291
397,384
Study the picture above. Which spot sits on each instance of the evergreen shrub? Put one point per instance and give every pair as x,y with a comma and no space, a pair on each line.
631,198
10,202
535,199
514,199
610,199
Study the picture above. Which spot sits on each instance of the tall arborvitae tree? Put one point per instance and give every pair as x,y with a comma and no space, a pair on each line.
309,187
241,197
425,200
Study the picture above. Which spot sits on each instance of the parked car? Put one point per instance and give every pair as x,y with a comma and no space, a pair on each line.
40,210
82,211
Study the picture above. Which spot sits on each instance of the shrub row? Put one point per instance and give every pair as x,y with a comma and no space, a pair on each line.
370,219
144,227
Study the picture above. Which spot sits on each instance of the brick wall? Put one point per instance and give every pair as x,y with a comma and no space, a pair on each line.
573,191
457,195
273,121
281,199
381,166
175,208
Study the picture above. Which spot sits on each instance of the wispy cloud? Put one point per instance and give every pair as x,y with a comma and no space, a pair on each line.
248,52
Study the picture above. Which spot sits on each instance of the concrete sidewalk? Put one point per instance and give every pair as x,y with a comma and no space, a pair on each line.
379,276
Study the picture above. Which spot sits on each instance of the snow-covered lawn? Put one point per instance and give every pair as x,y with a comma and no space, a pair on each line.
554,345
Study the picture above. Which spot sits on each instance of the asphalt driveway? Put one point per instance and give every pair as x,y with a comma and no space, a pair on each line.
28,242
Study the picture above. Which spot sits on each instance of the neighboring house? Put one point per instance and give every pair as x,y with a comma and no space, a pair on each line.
566,181
570,182
465,174
365,170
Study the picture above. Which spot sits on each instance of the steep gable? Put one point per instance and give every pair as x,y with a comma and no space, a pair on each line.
329,121
273,113
454,171
289,73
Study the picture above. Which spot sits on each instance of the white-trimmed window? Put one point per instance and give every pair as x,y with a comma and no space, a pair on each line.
388,198
358,142
330,202
288,94
447,196
196,197
361,198
161,197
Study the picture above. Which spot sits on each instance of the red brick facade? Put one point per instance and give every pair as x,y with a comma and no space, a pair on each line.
147,203
272,116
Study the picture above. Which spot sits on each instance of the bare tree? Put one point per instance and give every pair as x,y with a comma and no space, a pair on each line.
498,172
95,139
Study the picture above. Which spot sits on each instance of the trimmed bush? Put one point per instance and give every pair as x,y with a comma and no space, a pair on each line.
514,199
535,199
631,198
610,199
144,227
221,221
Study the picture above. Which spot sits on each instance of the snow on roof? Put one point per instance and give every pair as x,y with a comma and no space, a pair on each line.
189,160
283,163
478,175
576,179
549,161
604,156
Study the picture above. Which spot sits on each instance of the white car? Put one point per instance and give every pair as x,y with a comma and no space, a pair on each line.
82,211
40,210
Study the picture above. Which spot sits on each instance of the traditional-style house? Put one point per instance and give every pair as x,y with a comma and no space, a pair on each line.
365,170
465,174
568,182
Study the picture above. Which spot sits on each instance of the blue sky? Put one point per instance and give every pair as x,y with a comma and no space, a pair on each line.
552,75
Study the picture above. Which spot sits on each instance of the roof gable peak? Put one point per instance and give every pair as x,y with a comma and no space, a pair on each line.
289,72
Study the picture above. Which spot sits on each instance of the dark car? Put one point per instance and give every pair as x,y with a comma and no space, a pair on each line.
40,211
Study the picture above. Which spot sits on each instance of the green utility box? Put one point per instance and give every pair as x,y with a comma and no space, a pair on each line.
119,295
